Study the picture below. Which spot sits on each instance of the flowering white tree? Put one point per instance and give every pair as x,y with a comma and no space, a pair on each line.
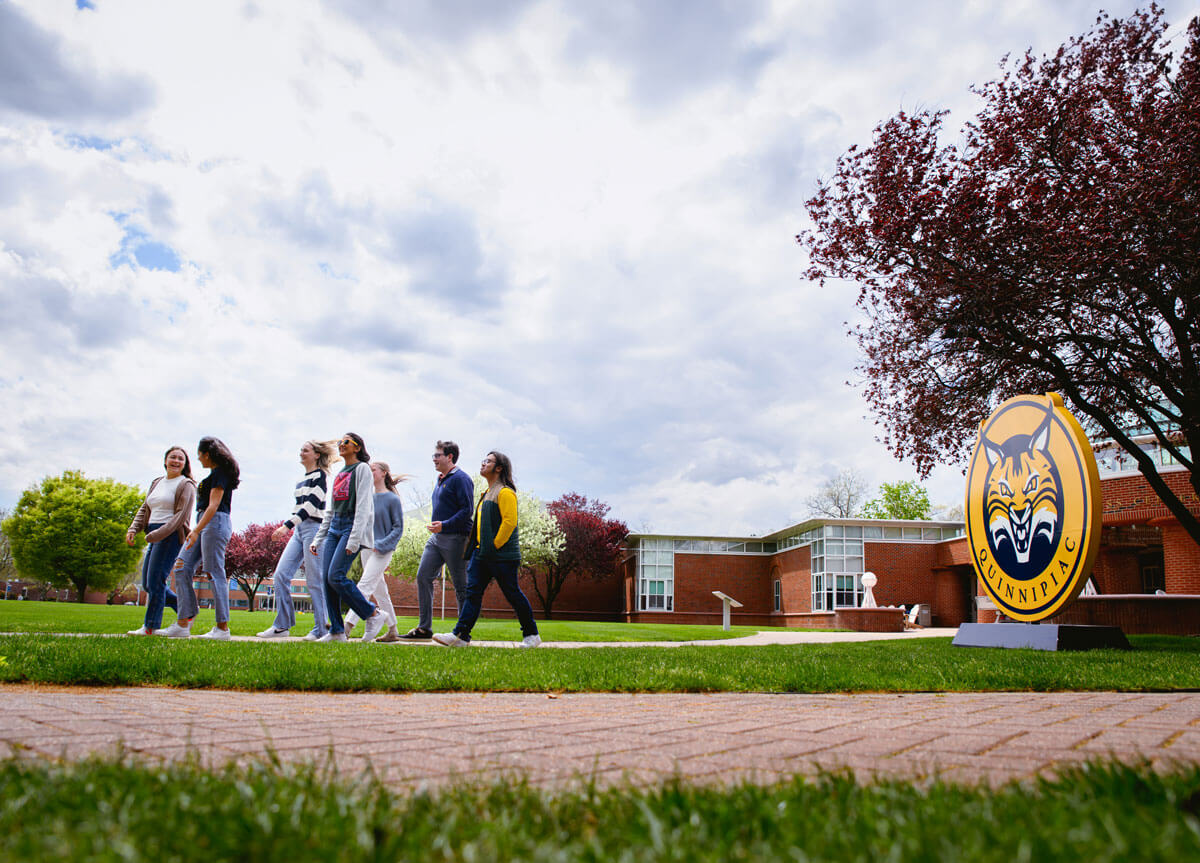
541,538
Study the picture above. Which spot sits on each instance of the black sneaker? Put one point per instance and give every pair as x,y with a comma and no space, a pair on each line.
417,634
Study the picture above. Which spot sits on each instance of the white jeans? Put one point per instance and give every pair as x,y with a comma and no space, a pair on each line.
373,583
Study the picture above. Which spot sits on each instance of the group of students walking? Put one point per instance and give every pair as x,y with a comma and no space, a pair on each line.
361,513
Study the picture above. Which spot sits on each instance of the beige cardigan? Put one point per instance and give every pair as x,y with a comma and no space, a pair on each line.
185,499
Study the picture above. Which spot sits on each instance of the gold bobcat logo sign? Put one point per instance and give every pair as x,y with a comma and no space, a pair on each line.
1033,507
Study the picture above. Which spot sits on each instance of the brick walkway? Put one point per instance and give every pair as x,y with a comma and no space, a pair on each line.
433,738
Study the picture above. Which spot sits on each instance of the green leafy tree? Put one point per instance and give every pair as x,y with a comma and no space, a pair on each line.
407,555
7,570
906,499
70,532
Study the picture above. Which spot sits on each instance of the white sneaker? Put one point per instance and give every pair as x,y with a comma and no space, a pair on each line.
374,627
272,632
531,641
141,630
449,639
217,634
177,631
332,636
312,636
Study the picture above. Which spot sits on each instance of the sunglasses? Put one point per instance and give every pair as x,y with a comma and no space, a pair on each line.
348,442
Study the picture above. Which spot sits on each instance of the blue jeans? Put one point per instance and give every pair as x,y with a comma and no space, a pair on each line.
480,572
156,568
207,555
335,563
296,554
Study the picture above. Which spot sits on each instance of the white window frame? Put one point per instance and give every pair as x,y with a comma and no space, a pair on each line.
656,575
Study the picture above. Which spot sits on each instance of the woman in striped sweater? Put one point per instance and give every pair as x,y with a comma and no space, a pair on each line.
316,456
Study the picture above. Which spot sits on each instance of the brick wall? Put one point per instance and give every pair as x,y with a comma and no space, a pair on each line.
1118,570
1130,500
904,570
1162,615
1181,559
793,568
745,577
577,601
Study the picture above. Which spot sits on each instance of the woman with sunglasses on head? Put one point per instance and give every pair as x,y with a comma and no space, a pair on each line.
316,456
389,526
204,548
494,552
347,528
165,515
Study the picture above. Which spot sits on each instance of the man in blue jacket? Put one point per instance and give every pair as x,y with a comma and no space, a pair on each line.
453,503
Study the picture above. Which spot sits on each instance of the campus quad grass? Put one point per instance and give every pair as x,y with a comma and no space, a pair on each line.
108,810
113,619
921,665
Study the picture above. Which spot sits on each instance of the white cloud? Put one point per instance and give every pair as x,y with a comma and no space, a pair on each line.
529,226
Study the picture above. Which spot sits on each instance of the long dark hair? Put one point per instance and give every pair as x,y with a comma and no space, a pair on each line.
362,447
504,465
221,457
187,462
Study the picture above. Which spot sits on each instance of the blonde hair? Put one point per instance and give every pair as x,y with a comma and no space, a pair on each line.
326,451
390,479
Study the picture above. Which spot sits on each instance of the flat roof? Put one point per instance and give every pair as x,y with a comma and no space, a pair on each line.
802,527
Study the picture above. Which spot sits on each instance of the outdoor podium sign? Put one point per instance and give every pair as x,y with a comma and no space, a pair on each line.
1033,511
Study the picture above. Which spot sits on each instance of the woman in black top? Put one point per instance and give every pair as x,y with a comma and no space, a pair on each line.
204,548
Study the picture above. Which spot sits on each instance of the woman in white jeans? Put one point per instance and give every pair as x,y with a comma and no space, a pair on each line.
316,456
389,525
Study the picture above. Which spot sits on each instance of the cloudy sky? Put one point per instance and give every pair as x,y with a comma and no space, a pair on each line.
558,228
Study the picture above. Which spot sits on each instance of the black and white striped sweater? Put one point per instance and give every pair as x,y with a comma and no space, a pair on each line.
310,499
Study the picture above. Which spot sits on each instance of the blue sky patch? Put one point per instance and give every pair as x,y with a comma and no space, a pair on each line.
137,249
91,142
84,4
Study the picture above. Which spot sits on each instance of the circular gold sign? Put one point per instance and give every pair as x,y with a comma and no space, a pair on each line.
1033,507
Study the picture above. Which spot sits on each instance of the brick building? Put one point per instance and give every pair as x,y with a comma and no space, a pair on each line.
800,575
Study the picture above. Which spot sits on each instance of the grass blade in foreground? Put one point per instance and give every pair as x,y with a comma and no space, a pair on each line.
1158,663
112,811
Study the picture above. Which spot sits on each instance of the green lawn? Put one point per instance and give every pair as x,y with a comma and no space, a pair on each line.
109,619
919,665
114,811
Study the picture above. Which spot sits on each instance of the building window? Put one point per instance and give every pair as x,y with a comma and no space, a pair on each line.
778,595
656,575
837,563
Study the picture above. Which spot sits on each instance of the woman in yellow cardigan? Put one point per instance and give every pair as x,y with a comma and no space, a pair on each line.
493,552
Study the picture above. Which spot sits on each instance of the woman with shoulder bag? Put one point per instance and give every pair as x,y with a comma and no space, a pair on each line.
164,515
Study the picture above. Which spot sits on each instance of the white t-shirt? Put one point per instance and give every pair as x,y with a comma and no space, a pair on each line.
162,500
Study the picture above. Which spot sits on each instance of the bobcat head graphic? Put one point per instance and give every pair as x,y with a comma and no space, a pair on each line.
1023,501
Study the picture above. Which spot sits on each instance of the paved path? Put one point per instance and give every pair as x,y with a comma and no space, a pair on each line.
422,739
776,636
761,637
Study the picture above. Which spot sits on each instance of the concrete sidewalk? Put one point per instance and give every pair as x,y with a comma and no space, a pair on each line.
428,739
761,637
